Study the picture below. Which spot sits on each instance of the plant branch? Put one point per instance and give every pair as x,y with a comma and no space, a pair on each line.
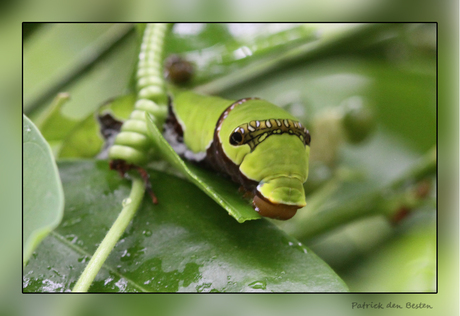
131,205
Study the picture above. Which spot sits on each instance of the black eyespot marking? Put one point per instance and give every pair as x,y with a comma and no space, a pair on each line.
236,138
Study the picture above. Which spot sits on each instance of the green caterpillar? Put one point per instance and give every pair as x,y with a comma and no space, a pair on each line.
259,145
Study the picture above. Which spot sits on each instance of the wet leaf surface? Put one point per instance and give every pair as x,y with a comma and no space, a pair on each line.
184,243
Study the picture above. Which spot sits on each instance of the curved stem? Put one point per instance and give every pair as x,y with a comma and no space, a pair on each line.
108,243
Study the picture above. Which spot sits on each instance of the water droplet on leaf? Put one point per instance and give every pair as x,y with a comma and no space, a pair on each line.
258,285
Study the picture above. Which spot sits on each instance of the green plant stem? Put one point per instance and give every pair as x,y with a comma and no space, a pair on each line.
108,243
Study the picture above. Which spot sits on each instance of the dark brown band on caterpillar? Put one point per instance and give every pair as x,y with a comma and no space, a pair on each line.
172,123
218,160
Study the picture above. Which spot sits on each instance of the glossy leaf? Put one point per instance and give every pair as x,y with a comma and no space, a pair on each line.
221,190
43,195
185,243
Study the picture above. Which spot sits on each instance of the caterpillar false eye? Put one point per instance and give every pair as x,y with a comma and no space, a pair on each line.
236,138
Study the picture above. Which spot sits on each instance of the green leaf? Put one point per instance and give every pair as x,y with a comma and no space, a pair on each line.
221,190
43,194
185,243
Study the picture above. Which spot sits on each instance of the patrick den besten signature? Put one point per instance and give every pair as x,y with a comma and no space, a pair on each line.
379,305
